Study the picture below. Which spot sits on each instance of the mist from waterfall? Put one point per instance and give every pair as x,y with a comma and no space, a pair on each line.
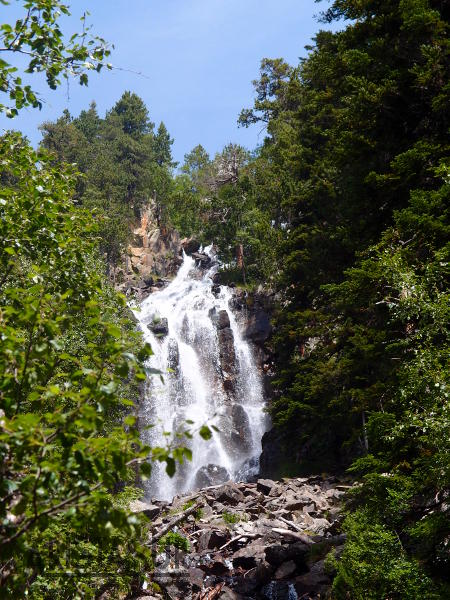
210,376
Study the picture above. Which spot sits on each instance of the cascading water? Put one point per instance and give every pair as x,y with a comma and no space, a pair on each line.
210,376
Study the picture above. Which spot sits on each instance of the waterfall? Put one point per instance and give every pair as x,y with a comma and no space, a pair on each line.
209,376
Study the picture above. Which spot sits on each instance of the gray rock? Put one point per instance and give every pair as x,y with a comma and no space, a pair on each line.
254,578
211,475
265,486
211,540
285,570
258,327
196,577
229,594
278,554
149,510
228,494
313,581
190,245
159,327
249,556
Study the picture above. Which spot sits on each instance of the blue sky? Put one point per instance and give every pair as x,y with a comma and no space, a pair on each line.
197,59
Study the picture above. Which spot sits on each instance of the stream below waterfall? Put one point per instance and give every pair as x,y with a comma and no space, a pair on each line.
210,376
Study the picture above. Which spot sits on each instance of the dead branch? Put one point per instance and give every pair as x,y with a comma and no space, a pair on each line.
159,534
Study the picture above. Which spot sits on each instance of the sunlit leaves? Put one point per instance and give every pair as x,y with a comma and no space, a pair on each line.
38,37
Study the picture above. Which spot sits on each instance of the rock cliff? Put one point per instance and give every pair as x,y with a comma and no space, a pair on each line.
152,258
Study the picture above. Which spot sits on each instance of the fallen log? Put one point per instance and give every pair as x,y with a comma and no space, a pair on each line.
159,534
301,537
291,523
239,537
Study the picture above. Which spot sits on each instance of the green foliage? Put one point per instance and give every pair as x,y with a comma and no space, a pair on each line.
37,36
352,180
375,566
173,539
230,518
69,355
123,166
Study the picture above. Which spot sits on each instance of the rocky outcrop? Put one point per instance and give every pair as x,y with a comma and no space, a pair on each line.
190,245
227,354
152,258
258,327
262,540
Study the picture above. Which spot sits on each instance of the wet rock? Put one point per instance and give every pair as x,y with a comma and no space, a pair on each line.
190,245
220,318
211,475
174,355
241,434
223,319
227,353
258,328
159,327
201,260
279,590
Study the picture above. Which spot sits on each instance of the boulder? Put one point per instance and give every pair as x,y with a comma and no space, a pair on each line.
278,554
149,510
315,581
211,540
229,594
201,260
159,327
190,245
196,577
220,318
211,475
265,486
228,494
285,570
249,556
241,434
254,579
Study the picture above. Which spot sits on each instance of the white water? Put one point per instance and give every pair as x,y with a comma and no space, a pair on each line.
193,388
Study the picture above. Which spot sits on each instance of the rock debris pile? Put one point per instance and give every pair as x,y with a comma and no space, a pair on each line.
265,540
